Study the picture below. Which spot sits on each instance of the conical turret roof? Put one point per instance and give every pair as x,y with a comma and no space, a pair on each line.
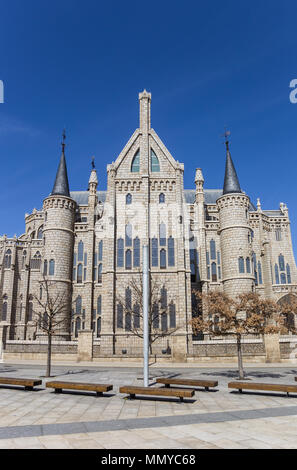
231,183
61,186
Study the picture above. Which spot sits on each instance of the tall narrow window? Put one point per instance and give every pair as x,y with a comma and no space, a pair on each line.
278,234
128,235
98,326
51,270
45,267
163,258
281,262
155,313
78,305
219,257
214,272
99,303
283,278
207,257
79,273
128,199
77,326
212,249
136,316
155,166
288,274
120,253
100,273
171,260
162,234
193,263
161,198
100,250
24,259
155,250
136,163
136,252
172,315
164,321
241,264
163,298
276,274
7,259
39,233
128,259
119,316
30,309
4,311
80,251
248,265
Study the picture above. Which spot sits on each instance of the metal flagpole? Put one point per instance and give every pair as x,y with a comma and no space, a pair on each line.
145,293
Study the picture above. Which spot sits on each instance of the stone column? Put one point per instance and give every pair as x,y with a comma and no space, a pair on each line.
85,345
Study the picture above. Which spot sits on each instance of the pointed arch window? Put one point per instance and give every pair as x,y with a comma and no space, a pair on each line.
40,232
45,267
163,258
128,259
288,273
248,265
128,199
214,272
80,251
281,262
155,316
99,305
100,273
98,326
155,249
241,264
276,274
212,249
7,259
136,252
135,166
283,278
100,250
172,315
171,260
79,273
51,269
119,316
162,198
155,165
36,261
120,253
78,305
77,326
136,316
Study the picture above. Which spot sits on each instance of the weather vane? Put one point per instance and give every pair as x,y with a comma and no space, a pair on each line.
226,135
93,163
63,141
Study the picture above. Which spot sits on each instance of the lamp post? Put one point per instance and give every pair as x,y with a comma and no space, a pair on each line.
145,291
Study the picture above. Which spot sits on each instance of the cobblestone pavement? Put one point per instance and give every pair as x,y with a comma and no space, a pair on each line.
212,420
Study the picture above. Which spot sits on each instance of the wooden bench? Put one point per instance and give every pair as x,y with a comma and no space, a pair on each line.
98,388
172,392
27,383
263,386
189,382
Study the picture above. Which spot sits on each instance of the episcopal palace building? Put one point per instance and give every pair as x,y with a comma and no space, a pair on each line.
88,245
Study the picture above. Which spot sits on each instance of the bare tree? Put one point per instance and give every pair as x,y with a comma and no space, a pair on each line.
247,314
160,310
50,315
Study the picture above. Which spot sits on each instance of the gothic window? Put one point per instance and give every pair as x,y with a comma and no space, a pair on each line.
219,257
77,326
162,234
78,305
241,264
36,261
248,265
276,274
120,254
128,324
128,259
51,268
99,304
39,233
119,316
7,259
136,163
163,298
100,250
288,274
164,321
24,259
30,309
85,259
155,257
207,257
171,261
208,272
214,272
212,249
155,316
128,199
193,263
100,273
128,298
155,166
79,273
283,278
281,262
161,198
45,267
172,315
136,316
260,272
163,258
136,252
219,272
80,251
128,235
278,234
98,326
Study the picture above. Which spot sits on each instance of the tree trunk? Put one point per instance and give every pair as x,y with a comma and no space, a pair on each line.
49,354
239,355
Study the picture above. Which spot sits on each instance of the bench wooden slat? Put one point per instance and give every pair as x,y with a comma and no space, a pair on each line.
171,392
263,386
25,382
99,388
191,382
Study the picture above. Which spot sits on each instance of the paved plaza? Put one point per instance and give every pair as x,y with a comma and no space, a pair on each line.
211,420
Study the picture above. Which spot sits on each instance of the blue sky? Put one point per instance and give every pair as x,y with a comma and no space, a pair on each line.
80,65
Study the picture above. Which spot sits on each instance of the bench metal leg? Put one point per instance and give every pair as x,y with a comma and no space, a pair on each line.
58,390
207,389
99,394
132,395
240,391
28,388
181,398
287,394
167,385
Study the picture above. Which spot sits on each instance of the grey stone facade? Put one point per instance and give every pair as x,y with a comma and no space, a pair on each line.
199,239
